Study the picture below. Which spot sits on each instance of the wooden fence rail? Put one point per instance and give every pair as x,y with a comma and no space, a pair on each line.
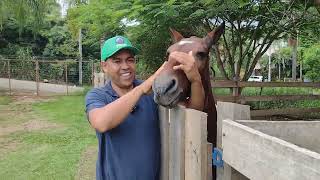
239,84
238,98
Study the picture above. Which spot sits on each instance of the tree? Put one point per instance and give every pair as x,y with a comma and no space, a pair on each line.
23,13
252,26
312,62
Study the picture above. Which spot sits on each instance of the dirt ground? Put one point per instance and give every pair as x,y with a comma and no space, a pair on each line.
19,117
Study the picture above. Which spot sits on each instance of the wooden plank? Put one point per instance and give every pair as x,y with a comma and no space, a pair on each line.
209,162
308,136
195,145
226,110
279,84
231,98
226,98
289,111
176,143
223,84
280,97
164,132
261,156
231,84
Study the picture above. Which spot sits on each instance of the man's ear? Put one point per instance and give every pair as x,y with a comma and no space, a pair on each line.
104,66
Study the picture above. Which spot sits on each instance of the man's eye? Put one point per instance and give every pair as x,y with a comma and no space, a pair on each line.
131,60
116,61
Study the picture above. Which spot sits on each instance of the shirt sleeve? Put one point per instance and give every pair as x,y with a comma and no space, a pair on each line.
95,99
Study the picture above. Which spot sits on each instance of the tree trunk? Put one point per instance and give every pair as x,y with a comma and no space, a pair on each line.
294,62
269,69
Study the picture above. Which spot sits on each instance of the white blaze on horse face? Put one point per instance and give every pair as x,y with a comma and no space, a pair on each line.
185,42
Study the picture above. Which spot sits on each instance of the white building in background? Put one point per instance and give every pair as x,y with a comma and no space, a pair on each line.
275,46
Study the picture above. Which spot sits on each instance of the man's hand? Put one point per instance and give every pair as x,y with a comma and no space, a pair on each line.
147,84
188,64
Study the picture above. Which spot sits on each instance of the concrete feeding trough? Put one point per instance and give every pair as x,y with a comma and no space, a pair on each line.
272,149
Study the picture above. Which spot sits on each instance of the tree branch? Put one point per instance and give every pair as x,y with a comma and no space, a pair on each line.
219,62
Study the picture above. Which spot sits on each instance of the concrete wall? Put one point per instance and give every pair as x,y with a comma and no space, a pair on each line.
305,134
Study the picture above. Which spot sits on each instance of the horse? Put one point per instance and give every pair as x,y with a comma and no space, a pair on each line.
172,86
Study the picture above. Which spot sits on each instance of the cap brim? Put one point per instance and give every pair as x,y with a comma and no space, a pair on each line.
134,50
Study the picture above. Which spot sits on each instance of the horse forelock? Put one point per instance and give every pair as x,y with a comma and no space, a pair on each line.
182,42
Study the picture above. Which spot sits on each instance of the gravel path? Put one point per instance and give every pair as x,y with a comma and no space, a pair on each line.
17,85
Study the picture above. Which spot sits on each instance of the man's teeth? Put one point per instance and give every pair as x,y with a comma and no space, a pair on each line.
125,74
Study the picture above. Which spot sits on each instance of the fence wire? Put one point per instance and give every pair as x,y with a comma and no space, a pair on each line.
45,77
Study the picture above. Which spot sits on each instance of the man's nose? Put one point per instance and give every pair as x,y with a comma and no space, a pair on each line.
124,65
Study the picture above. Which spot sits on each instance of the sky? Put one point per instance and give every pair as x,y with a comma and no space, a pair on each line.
64,7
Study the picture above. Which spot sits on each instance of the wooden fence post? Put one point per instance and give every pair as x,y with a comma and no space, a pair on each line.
37,76
9,76
236,92
66,69
184,147
226,110
92,72
164,131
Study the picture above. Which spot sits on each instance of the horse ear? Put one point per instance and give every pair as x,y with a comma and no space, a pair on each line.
213,36
175,35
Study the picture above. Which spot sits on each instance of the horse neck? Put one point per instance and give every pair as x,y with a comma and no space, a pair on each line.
209,100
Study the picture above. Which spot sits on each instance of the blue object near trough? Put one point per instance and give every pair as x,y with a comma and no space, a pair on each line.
217,157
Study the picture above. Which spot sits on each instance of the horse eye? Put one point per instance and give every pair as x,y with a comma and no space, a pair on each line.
202,55
167,56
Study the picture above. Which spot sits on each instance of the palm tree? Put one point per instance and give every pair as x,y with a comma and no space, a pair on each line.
23,13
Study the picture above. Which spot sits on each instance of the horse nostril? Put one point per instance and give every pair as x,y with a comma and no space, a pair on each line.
171,86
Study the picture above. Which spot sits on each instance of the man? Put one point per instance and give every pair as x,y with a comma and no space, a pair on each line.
125,116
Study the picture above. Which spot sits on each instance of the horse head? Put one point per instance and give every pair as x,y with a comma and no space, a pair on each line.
172,86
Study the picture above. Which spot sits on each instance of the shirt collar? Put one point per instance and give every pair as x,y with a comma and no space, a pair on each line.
108,88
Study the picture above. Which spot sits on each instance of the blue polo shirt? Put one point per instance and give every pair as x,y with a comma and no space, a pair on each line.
130,151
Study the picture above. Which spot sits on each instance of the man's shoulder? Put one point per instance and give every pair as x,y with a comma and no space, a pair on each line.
137,82
99,92
96,91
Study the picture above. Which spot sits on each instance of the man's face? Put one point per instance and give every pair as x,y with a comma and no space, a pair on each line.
122,68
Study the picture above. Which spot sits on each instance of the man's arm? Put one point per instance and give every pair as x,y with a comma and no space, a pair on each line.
114,113
111,115
196,100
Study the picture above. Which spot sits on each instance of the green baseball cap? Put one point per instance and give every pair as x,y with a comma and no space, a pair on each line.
115,44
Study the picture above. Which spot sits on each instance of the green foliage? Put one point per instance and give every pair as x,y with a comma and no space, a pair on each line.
60,43
24,13
312,62
34,27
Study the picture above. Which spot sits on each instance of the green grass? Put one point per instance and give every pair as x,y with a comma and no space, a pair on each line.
52,153
5,100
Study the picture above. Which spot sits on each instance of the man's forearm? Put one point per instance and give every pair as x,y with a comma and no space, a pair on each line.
196,100
111,115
